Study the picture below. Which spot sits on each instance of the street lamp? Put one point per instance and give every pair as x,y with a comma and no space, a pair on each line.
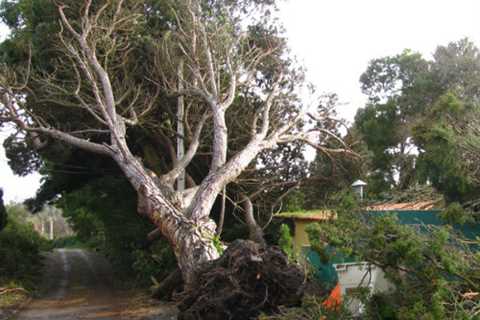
358,187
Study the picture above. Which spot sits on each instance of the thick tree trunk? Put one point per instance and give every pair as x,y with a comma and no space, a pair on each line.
191,240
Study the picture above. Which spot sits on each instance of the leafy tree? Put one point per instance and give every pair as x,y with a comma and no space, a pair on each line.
104,221
408,124
440,160
399,89
94,93
20,247
439,137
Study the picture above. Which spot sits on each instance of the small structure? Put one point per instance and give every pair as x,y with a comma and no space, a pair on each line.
358,187
351,272
301,220
325,270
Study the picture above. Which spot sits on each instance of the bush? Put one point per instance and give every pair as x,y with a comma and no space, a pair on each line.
434,270
107,222
20,257
286,241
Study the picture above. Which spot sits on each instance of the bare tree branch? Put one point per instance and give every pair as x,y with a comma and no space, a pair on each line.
181,165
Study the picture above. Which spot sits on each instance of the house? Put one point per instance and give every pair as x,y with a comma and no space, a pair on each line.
324,271
301,220
347,272
352,273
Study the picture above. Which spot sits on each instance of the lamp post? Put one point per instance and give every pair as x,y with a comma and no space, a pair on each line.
358,187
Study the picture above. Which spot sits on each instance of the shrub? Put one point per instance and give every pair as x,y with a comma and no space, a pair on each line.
20,257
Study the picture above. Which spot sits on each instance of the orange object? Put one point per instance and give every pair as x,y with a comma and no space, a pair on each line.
334,299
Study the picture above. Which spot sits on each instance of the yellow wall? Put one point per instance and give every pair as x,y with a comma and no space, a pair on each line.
301,237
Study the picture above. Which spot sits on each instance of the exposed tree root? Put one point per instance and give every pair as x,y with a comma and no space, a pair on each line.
246,280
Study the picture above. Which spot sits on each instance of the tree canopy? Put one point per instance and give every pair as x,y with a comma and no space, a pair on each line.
96,79
411,122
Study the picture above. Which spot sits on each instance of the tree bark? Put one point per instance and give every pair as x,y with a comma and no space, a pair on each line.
221,219
191,240
254,230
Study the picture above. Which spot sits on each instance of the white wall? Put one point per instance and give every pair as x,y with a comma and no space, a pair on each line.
360,275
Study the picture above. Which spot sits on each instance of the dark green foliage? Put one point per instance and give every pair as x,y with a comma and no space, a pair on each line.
439,161
103,214
20,249
430,267
3,212
456,214
411,122
399,88
286,241
21,158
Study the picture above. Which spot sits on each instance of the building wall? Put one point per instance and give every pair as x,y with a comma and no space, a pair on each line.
300,238
361,274
350,274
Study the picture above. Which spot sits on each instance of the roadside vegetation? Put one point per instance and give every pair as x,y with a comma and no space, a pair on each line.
168,132
20,256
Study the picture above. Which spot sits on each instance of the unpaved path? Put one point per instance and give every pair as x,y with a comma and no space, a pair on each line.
78,285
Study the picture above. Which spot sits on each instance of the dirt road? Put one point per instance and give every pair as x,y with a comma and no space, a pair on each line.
78,285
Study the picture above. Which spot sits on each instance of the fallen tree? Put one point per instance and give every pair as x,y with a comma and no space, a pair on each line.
205,60
247,279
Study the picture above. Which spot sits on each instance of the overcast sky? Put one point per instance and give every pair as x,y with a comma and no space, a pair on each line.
335,39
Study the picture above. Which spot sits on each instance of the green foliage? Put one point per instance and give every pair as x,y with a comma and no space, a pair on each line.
295,201
107,221
456,214
157,262
339,234
286,241
218,244
20,248
439,160
430,267
3,212
69,242
411,97
397,87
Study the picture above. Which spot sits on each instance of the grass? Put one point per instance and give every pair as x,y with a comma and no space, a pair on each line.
13,295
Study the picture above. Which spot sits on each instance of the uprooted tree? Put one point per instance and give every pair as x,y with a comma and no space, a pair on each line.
208,59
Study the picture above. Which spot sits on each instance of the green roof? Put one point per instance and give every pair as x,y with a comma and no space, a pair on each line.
316,215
